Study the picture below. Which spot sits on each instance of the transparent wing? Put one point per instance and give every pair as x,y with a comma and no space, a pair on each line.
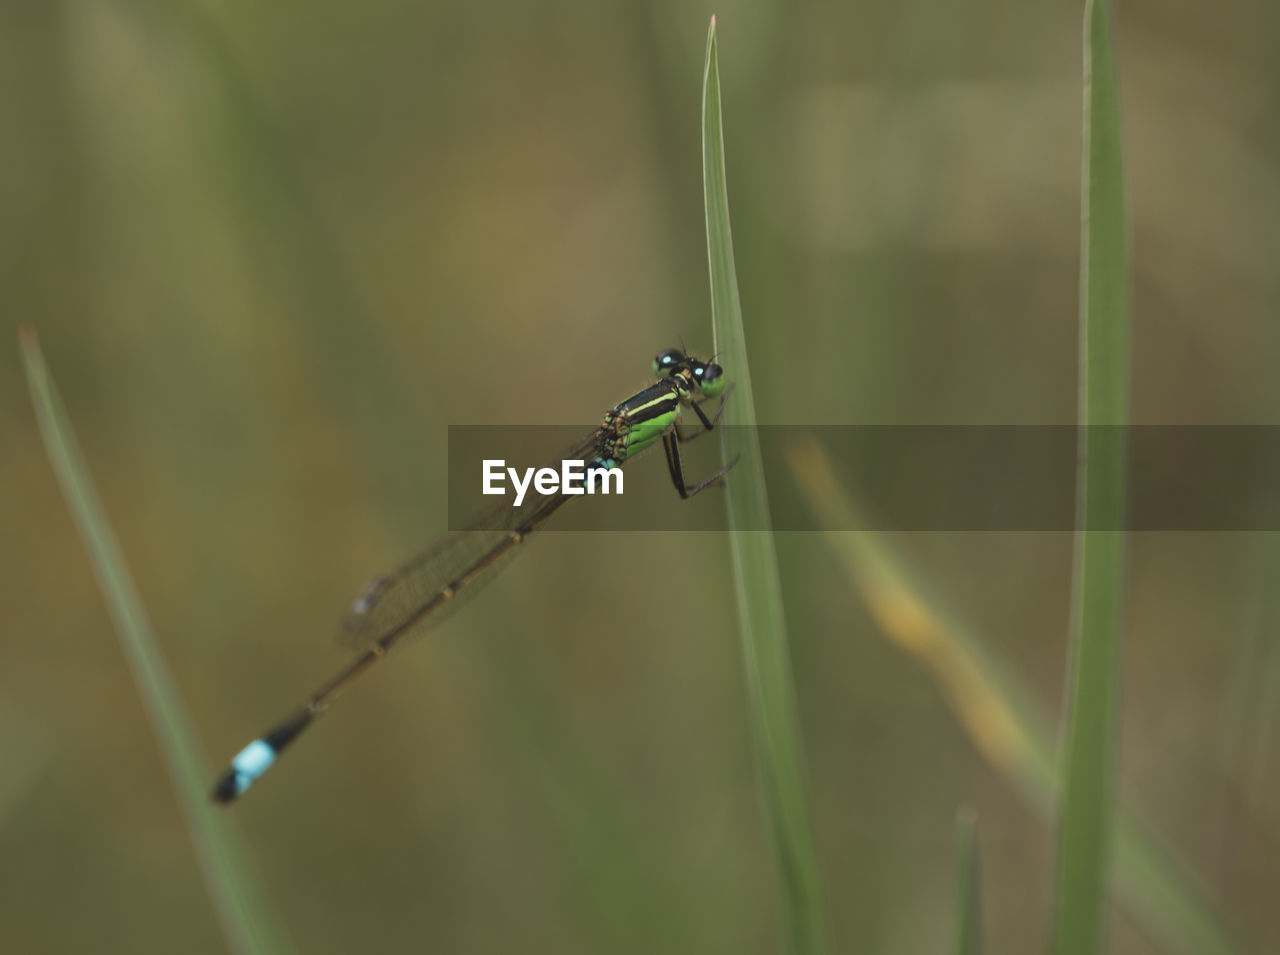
434,584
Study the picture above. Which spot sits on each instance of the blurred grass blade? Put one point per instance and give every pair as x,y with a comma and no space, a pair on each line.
247,924
968,926
763,624
1008,731
1086,816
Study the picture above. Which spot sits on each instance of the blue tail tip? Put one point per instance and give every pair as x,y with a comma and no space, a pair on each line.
251,762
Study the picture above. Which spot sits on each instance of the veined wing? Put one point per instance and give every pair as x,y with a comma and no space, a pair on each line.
432,585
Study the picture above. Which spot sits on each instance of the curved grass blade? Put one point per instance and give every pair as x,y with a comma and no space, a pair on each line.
760,613
1010,733
1089,754
247,924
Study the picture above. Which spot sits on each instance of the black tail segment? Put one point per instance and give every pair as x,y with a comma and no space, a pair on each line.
227,788
256,758
286,732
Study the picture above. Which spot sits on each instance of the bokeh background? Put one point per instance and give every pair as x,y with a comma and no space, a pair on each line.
273,250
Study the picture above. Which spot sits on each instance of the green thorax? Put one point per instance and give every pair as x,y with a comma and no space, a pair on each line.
641,420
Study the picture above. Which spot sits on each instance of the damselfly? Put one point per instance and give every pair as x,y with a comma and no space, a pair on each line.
422,592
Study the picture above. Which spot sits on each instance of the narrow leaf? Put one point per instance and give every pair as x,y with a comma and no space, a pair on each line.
967,939
763,624
1086,813
248,925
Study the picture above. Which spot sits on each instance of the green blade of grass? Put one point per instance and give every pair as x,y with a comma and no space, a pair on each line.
248,925
1085,824
996,711
967,937
763,624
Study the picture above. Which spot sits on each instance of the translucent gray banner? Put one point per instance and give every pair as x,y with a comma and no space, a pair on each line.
910,478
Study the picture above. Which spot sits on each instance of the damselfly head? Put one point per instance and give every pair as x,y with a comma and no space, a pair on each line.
706,376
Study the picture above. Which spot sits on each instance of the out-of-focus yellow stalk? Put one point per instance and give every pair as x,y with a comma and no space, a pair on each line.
991,706
910,621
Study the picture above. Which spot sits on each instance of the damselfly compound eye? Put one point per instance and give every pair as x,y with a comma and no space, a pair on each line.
710,379
668,360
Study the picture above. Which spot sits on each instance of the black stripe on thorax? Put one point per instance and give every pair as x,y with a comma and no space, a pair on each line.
655,401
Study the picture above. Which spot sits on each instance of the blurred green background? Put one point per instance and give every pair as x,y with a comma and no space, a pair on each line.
273,250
